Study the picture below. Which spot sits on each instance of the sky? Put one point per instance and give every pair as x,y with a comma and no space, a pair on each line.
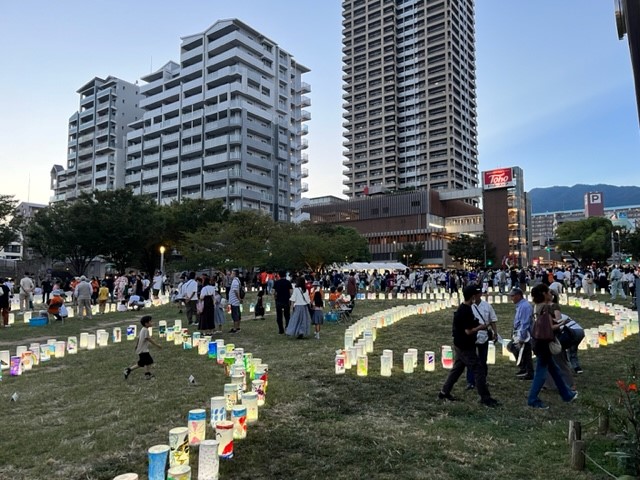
554,83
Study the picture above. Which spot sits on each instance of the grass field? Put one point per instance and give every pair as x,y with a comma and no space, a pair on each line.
76,418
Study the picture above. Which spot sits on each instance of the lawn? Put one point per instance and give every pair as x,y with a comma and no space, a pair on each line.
77,418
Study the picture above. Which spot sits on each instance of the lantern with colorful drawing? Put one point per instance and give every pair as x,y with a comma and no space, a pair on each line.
224,435
208,460
218,410
197,424
179,444
239,417
158,455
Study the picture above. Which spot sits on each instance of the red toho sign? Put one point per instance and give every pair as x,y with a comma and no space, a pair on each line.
499,178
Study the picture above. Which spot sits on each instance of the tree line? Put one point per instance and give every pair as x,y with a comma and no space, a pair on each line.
128,230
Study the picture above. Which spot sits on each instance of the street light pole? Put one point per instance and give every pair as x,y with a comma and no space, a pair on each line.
162,250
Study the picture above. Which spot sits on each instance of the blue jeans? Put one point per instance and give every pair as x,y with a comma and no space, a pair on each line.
544,364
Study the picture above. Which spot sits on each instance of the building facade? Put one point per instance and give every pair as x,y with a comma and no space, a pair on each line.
16,250
226,122
96,144
410,95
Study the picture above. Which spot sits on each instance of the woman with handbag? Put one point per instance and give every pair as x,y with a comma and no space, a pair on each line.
545,345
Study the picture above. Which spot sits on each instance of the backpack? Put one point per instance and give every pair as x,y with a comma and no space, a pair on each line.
542,327
242,292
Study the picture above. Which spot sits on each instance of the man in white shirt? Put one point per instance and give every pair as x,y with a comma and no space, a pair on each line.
26,289
158,280
486,315
190,296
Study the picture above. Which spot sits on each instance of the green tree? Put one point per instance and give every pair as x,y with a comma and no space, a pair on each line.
410,254
10,222
586,241
472,250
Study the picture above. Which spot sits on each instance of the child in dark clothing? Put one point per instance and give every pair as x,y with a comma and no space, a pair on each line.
259,308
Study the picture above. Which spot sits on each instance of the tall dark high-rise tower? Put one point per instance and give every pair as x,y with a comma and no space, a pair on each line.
410,95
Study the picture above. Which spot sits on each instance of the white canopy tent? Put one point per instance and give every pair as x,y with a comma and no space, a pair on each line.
370,267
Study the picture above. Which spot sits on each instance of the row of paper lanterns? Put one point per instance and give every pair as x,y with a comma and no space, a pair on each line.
356,349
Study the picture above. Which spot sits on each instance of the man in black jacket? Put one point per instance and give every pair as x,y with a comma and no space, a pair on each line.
465,328
5,302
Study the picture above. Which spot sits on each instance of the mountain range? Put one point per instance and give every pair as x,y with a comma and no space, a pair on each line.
554,199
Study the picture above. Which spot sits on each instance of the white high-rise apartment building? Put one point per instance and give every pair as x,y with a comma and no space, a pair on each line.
96,145
410,95
226,122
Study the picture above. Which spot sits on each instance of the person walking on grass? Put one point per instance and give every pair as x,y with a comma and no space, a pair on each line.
318,313
465,329
142,349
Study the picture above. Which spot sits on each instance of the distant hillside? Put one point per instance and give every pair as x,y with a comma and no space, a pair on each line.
553,199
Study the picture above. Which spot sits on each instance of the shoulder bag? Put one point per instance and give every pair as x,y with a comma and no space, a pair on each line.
542,328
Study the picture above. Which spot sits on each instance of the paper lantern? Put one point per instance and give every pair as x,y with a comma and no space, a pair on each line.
491,354
179,444
22,348
27,360
348,339
213,350
60,348
179,472
250,400
224,435
116,336
230,395
91,341
635,326
262,373
368,342
238,381
238,354
202,346
220,351
388,353
247,360
447,357
618,333
407,362
218,410
429,361
186,342
610,338
347,359
72,345
196,338
44,353
158,455
35,351
15,368
131,332
602,337
208,460
5,359
162,328
170,335
340,364
84,340
238,369
362,366
102,338
177,325
414,353
177,336
257,386
385,365
197,424
229,347
239,418
51,344
26,316
12,317
127,476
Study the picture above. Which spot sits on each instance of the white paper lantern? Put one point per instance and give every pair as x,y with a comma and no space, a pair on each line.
179,472
353,356
102,338
250,400
340,369
208,460
491,354
385,365
127,476
91,341
27,317
407,362
414,353
60,349
257,386
218,410
84,340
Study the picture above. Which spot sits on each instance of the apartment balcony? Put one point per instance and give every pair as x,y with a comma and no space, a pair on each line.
170,153
132,178
60,197
190,132
221,159
134,134
193,99
151,159
222,124
305,101
101,174
84,179
186,55
194,147
304,87
224,72
304,158
305,173
134,148
170,137
153,188
190,181
105,145
151,85
151,174
303,130
169,185
168,169
304,187
196,67
154,143
190,165
187,117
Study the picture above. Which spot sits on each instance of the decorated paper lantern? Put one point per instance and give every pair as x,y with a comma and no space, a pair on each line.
602,337
131,332
127,476
257,386
72,345
35,351
203,346
170,335
238,354
179,472
230,395
348,339
447,357
238,380
27,360
116,336
347,359
22,348
238,369
60,348
224,436
197,424
44,353
186,342
177,325
340,364
362,366
618,333
353,356
91,341
162,328
385,365
407,362
250,400
213,350
158,455
247,360
15,366
491,354
414,354
5,359
179,444
610,338
429,361
221,351
239,417
84,340
178,335
51,344
368,342
196,338
208,460
218,410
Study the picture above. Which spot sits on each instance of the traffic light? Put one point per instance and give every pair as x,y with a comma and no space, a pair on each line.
628,259
548,249
489,262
